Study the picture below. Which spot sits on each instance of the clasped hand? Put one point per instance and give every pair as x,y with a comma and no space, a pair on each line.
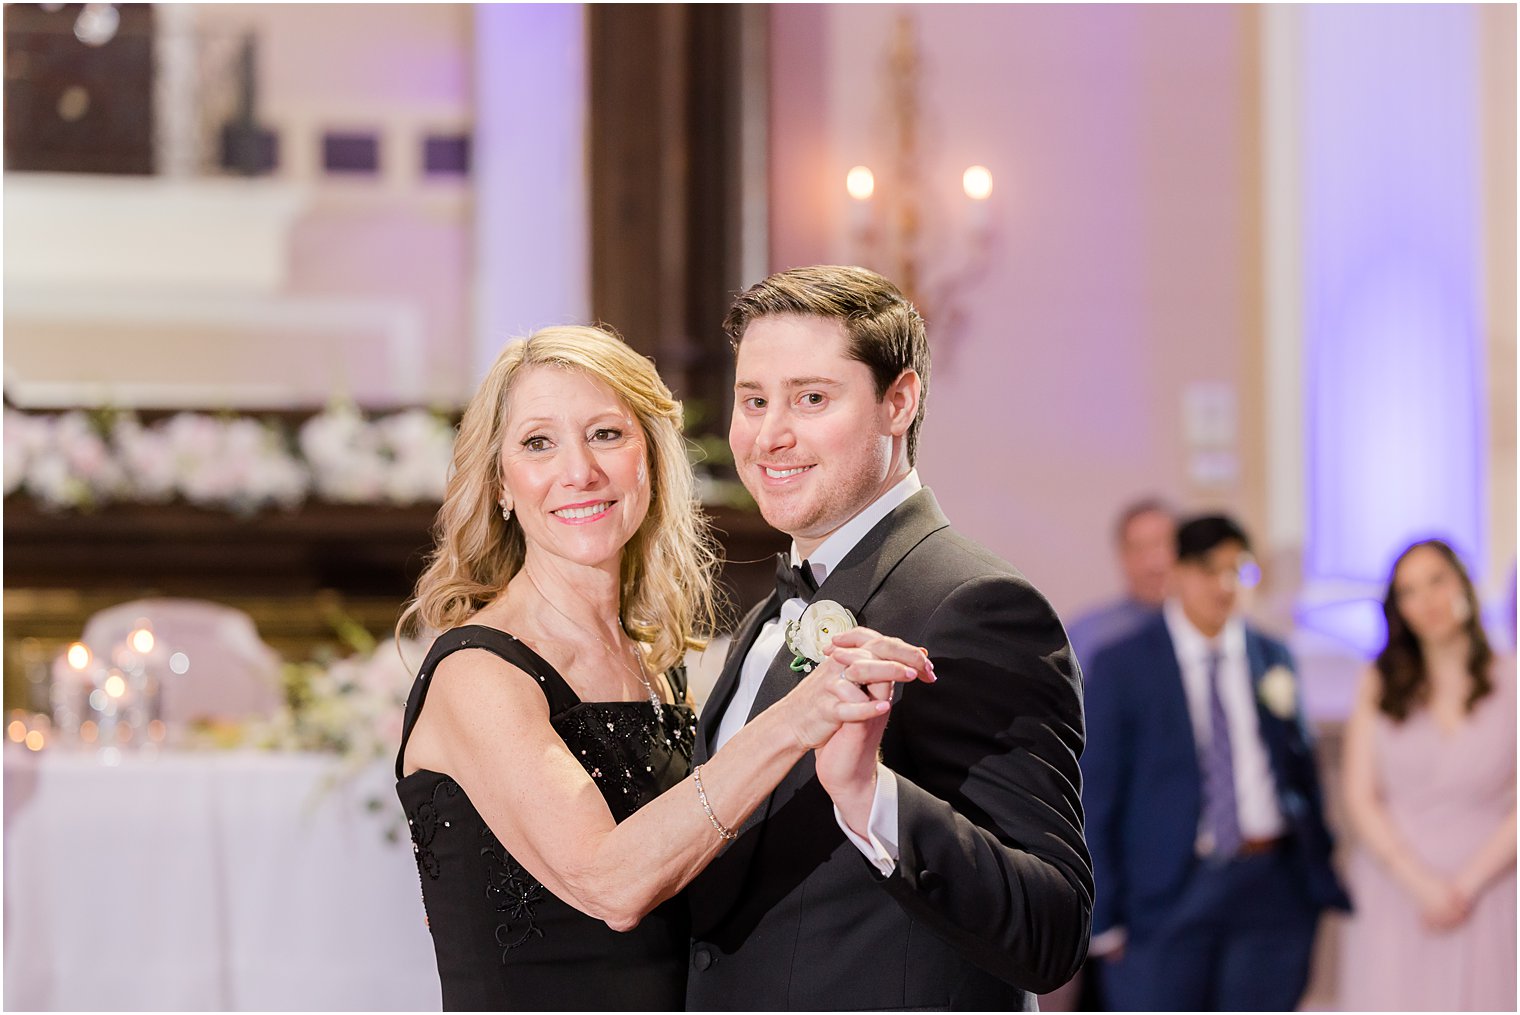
1444,905
853,684
841,708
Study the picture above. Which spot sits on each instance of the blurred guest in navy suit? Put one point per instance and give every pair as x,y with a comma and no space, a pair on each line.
1210,852
1146,538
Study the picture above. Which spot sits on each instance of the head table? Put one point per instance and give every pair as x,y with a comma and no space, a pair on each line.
233,880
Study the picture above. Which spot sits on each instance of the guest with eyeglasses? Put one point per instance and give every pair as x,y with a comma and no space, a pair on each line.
1211,855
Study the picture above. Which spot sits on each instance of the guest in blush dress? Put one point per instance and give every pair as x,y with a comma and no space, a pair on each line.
1430,790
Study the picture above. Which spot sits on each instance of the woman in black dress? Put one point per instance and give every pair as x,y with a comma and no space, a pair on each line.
547,776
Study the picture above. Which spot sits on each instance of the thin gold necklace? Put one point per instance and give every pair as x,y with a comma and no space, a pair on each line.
637,671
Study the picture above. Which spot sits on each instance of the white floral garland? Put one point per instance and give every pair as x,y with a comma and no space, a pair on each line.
71,460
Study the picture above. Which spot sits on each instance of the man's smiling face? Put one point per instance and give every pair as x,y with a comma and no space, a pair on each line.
812,442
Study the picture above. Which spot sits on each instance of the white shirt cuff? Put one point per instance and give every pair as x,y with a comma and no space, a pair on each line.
881,849
1108,942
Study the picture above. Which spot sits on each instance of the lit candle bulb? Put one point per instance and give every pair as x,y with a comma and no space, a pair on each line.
860,184
976,181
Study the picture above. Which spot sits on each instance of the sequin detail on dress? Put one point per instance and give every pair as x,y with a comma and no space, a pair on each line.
617,747
424,825
513,891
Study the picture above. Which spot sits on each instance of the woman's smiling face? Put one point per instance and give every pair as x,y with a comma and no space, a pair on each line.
574,466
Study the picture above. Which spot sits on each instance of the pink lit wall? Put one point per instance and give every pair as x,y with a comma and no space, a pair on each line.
395,240
1123,141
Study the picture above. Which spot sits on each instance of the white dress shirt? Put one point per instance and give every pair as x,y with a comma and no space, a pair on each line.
881,846
1255,788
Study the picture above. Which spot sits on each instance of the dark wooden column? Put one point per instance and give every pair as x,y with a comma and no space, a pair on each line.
673,88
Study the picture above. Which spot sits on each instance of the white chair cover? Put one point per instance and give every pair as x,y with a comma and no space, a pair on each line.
231,673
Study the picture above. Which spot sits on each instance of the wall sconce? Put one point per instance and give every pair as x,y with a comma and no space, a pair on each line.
886,217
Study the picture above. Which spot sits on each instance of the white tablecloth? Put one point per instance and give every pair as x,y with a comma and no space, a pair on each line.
231,881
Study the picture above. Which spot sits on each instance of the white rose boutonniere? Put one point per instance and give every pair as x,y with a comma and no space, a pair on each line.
1278,691
810,634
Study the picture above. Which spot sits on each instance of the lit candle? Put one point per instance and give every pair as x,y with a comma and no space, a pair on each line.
976,181
78,656
860,184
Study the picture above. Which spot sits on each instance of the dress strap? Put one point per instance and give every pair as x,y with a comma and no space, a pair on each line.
678,682
498,643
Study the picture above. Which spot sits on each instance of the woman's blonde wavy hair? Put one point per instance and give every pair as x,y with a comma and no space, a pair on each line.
667,598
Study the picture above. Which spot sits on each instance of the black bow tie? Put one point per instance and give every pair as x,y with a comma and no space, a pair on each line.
794,581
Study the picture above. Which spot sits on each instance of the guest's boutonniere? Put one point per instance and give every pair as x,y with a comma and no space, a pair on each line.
810,634
1278,690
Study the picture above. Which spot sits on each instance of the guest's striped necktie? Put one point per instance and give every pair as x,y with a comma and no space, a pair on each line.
1221,818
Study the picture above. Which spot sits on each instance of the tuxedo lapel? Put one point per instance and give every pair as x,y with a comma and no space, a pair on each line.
779,679
866,567
728,679
725,878
857,578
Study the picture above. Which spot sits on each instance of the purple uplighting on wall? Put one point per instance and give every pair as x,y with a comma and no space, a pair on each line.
530,97
1393,297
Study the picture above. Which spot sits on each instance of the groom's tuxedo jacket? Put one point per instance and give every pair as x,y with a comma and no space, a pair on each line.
992,895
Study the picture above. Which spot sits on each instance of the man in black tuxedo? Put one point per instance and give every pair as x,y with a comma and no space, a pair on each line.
935,858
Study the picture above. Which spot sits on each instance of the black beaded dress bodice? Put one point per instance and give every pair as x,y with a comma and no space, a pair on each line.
503,941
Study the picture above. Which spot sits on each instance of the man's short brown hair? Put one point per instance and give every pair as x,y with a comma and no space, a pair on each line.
882,328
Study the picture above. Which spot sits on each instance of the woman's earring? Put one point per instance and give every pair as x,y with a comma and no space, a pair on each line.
506,513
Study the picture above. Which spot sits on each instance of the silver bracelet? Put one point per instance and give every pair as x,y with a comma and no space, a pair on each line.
696,778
